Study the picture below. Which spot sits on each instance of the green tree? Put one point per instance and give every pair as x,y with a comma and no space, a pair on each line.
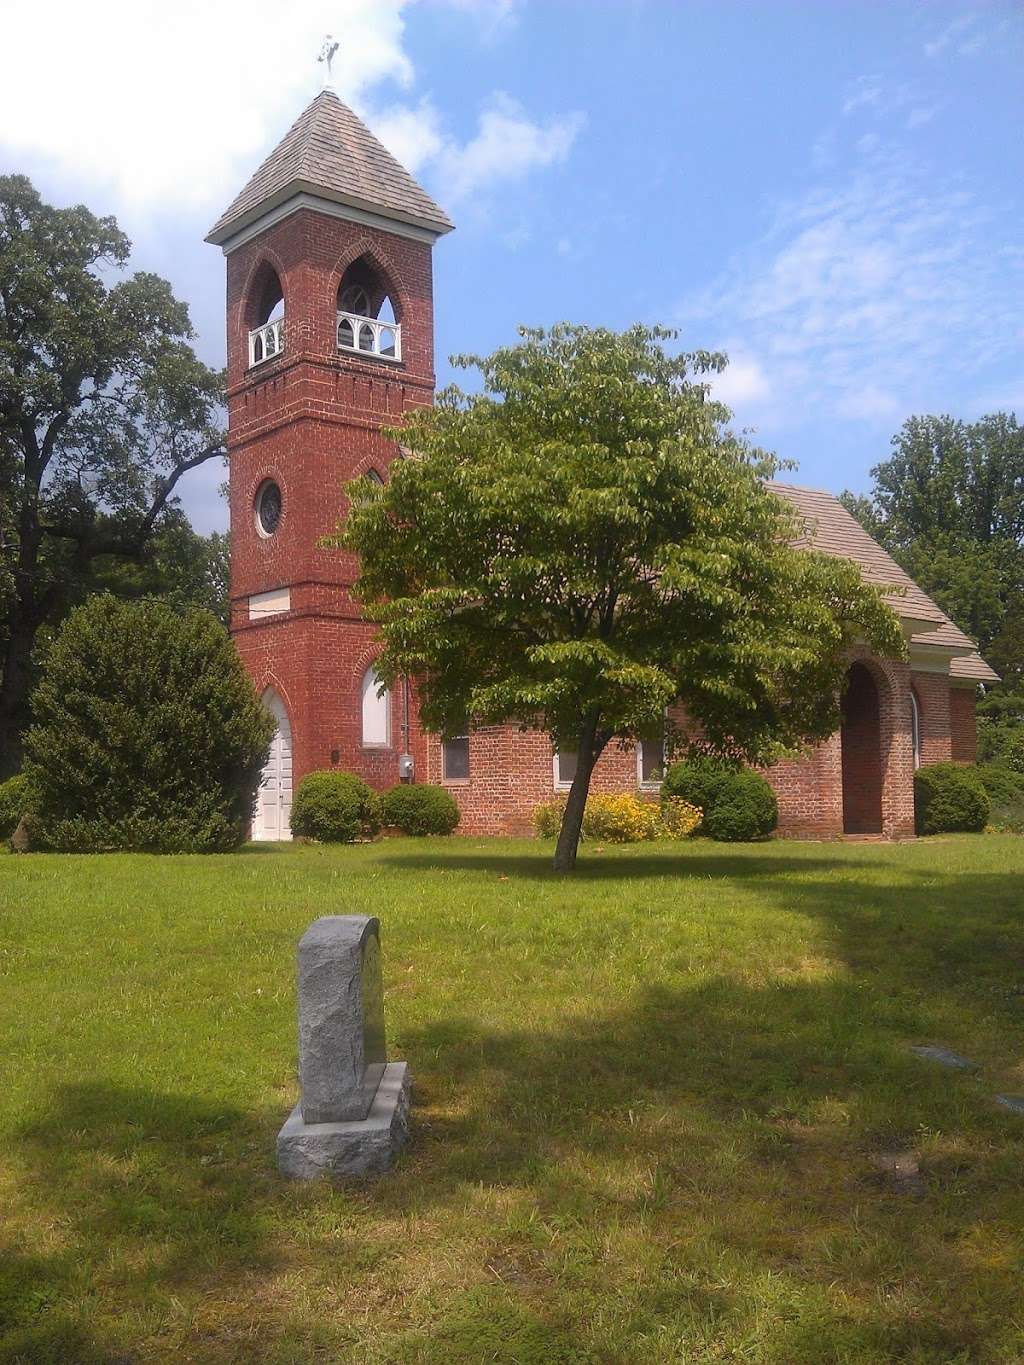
148,732
103,407
585,542
948,504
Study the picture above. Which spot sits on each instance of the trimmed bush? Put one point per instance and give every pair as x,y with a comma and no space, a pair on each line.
15,800
419,809
950,798
335,808
148,733
738,804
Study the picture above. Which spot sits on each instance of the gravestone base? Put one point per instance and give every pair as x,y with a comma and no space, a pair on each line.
361,1147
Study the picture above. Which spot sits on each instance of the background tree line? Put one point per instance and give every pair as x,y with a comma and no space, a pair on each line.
948,505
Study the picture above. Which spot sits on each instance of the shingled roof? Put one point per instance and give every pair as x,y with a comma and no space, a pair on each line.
829,527
331,153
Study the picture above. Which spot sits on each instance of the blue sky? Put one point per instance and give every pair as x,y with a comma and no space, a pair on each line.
831,192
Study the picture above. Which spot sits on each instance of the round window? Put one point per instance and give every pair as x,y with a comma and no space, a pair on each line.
268,508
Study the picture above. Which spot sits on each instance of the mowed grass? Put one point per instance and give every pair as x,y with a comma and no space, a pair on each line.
652,1107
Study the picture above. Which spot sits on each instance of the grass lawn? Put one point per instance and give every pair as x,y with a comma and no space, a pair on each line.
654,1104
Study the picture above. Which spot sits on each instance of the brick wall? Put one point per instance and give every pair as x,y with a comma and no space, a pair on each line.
963,724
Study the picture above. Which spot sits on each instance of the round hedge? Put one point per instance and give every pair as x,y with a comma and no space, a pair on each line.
334,808
419,809
15,799
148,733
738,803
950,798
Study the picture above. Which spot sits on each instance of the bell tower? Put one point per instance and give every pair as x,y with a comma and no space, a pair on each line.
329,339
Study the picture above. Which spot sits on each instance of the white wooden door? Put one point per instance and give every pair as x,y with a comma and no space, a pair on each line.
274,802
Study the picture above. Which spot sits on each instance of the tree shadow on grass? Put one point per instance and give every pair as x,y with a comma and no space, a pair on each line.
158,1185
686,863
737,1129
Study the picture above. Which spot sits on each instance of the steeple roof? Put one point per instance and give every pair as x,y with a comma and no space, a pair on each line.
330,153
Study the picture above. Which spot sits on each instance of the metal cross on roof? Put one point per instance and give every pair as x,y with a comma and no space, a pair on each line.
327,51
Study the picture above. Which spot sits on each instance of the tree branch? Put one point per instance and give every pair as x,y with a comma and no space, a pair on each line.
130,545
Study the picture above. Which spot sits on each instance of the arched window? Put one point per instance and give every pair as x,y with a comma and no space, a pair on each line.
368,322
376,711
265,315
915,727
375,477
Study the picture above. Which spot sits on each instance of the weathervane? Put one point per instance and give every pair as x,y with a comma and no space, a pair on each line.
327,52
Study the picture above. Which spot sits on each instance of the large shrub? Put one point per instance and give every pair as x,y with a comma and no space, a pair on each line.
1005,789
950,797
15,800
738,803
419,809
335,808
148,733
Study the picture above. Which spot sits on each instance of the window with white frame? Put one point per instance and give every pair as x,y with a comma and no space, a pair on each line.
376,711
455,758
650,760
565,768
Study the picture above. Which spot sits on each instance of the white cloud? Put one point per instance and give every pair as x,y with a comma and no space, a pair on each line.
868,298
953,30
175,104
507,146
743,381
411,133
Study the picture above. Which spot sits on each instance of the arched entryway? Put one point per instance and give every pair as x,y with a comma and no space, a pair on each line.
272,819
862,754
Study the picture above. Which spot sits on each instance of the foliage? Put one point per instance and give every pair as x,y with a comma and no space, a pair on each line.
586,541
103,407
737,804
334,808
15,801
949,505
148,733
1005,788
548,817
179,565
679,818
622,818
418,808
950,798
1003,784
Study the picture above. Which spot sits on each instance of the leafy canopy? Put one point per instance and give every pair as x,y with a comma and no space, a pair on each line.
104,406
585,542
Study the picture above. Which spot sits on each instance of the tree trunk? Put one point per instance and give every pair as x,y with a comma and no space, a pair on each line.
588,750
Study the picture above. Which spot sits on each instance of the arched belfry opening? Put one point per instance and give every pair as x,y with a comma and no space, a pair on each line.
862,753
264,315
369,319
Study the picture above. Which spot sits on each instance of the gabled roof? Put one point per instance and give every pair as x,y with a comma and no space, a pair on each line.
331,153
830,528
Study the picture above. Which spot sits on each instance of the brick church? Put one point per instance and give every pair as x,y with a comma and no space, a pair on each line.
330,337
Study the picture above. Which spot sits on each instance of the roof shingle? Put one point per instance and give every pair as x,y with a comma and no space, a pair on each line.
330,152
829,527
